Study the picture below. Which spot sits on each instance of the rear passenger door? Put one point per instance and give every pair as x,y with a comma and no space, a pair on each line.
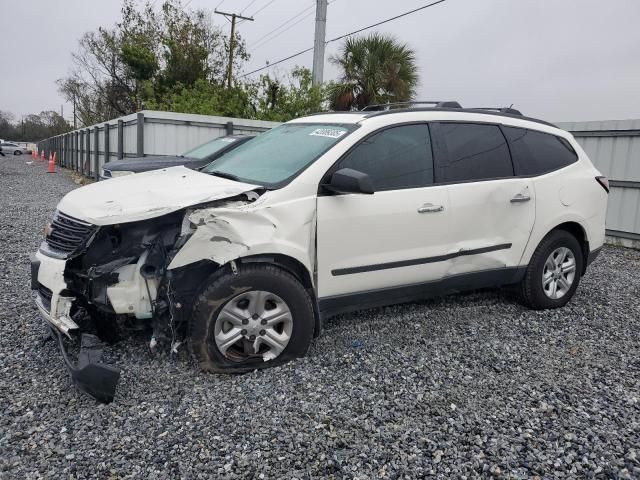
492,211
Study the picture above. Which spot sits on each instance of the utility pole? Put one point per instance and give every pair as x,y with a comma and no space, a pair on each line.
74,113
232,39
318,46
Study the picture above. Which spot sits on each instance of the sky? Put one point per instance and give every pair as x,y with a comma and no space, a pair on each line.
560,60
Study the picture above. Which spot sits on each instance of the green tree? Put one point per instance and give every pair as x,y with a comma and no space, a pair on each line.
205,98
265,99
374,69
32,127
147,55
279,101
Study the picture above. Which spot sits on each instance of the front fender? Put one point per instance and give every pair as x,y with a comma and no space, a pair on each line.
228,233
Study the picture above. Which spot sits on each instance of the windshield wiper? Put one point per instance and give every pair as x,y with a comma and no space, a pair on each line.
229,176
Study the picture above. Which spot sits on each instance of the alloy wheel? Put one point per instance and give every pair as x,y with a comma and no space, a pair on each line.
253,324
559,273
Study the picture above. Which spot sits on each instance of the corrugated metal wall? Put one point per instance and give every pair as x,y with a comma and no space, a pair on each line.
614,148
141,134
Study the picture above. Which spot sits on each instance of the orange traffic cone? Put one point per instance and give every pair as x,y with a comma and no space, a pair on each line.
52,165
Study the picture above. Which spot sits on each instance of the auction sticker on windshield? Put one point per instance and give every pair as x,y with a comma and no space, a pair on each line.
328,132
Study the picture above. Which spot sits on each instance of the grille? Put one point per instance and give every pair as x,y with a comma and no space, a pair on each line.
45,296
67,234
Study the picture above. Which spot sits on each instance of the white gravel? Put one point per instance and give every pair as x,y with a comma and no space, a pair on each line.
460,387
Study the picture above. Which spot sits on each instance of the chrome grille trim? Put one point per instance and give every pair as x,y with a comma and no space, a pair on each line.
67,234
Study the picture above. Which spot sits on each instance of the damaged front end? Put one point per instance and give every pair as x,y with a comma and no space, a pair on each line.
96,282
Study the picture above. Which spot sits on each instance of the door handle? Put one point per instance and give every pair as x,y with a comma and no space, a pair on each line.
520,198
430,208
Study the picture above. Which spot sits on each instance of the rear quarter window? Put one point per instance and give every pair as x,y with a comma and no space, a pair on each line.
537,153
472,152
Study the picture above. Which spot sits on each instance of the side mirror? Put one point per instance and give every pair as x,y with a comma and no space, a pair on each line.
347,180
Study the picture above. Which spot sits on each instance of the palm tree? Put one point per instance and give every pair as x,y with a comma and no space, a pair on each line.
375,69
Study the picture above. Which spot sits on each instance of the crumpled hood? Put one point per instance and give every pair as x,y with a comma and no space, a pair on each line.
147,195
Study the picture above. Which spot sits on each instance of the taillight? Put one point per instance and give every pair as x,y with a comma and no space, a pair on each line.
604,181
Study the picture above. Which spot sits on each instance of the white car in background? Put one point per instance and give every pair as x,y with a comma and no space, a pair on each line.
13,148
322,215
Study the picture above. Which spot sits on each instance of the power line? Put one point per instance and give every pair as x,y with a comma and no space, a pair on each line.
386,21
257,11
343,36
245,8
283,31
261,9
255,46
282,25
279,61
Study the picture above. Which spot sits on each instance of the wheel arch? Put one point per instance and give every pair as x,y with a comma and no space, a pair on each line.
195,275
296,268
579,232
575,228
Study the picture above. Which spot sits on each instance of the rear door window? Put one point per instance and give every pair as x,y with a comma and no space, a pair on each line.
537,153
471,152
395,158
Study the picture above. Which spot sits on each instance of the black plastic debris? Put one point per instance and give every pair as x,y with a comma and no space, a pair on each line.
90,375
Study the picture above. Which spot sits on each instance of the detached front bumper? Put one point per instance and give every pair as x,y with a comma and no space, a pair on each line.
89,374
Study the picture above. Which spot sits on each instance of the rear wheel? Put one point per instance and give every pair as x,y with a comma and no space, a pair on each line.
260,317
553,273
17,152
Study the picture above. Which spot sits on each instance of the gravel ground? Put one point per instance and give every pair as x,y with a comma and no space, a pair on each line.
465,386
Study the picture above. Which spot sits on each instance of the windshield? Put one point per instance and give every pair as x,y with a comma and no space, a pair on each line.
280,153
207,149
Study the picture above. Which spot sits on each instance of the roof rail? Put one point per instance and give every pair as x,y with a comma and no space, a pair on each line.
509,110
518,115
434,103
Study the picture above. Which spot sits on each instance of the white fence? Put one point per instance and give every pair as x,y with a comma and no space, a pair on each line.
142,134
613,146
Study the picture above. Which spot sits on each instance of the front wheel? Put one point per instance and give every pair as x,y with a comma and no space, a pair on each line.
260,317
18,152
553,273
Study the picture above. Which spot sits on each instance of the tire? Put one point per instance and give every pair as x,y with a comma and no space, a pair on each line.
224,293
17,152
533,292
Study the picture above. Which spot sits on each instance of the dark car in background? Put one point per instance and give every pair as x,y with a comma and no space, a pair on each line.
195,158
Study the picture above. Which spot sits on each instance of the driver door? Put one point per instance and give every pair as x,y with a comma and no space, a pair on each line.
393,237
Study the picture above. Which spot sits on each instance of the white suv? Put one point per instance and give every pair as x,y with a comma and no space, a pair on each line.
321,215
